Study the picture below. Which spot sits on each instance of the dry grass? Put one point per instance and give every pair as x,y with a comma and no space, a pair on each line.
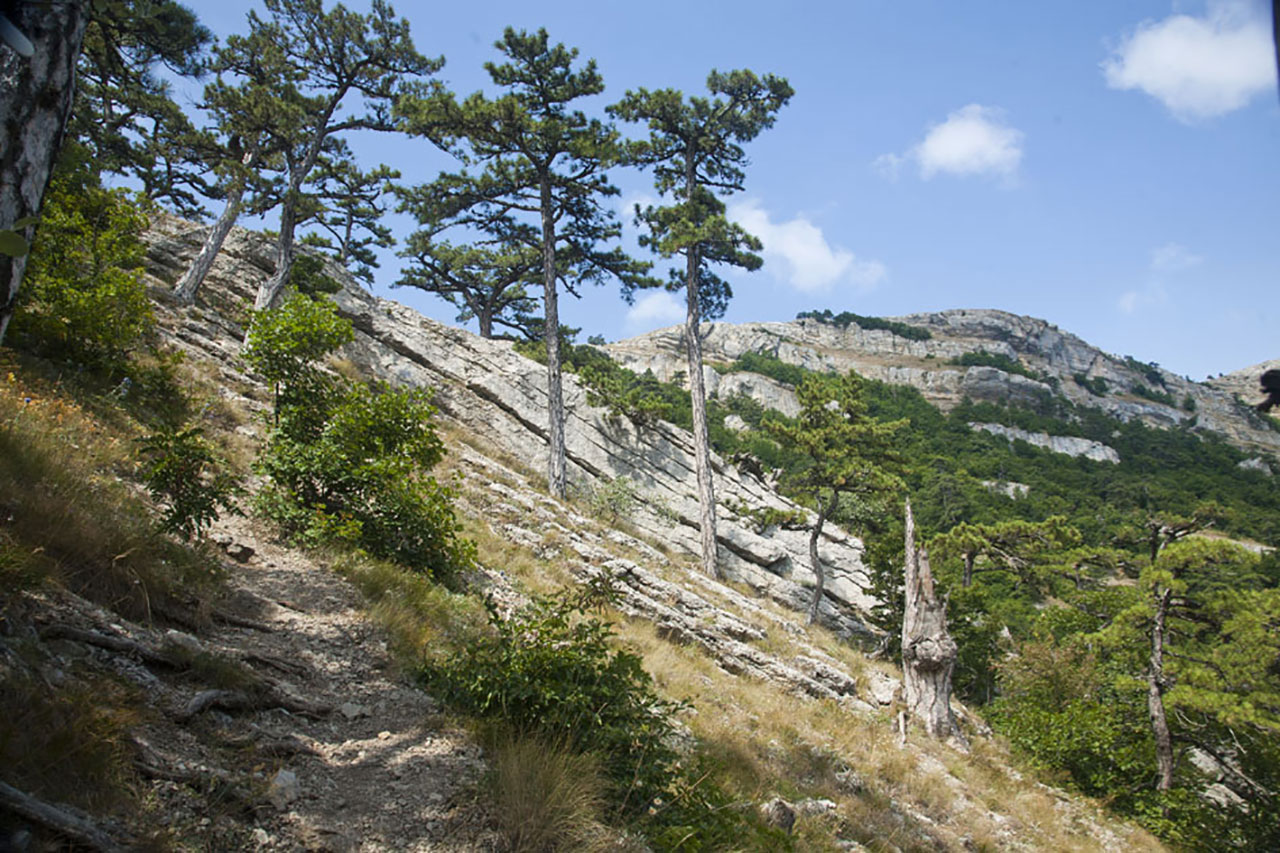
65,513
548,798
764,742
424,620
68,745
928,796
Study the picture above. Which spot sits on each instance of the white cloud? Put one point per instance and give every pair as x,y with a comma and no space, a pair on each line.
1198,67
809,262
1173,257
888,166
655,309
1151,296
974,140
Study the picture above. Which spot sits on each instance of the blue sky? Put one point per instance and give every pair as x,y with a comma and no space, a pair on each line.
1111,167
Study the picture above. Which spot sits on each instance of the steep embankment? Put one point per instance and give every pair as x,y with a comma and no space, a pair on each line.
501,399
794,709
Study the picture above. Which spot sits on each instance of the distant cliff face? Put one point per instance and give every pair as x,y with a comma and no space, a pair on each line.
1045,350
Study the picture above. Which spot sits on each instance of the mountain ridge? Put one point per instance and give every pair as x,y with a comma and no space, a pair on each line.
1063,362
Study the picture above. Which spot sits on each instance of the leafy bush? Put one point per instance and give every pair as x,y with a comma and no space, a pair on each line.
83,296
1097,386
549,670
641,398
181,470
614,499
844,318
982,358
768,364
348,462
285,344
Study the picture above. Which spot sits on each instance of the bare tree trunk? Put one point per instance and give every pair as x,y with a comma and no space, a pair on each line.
269,290
1155,694
701,438
35,101
928,652
968,569
551,330
186,289
819,573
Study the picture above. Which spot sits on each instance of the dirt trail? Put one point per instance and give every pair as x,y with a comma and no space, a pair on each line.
377,773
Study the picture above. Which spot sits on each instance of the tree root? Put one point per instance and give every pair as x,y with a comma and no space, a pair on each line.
262,693
242,622
65,820
268,697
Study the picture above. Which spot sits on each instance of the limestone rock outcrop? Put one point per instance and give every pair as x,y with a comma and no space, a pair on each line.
500,399
1043,349
1067,444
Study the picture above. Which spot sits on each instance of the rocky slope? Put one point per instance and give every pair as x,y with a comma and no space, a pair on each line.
1056,356
501,397
756,679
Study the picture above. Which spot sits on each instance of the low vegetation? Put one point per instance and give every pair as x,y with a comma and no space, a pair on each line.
845,318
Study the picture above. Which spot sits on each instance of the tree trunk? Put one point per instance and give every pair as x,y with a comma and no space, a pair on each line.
928,652
820,576
185,291
1155,694
34,106
701,439
269,290
968,569
698,397
551,331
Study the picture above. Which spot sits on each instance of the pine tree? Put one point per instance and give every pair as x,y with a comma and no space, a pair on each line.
849,454
486,278
694,149
124,112
244,102
543,163
350,211
350,68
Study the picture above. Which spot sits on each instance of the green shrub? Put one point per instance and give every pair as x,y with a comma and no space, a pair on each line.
640,397
768,364
1097,386
614,499
180,470
982,358
284,344
83,296
346,462
355,472
549,672
844,318
1164,397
